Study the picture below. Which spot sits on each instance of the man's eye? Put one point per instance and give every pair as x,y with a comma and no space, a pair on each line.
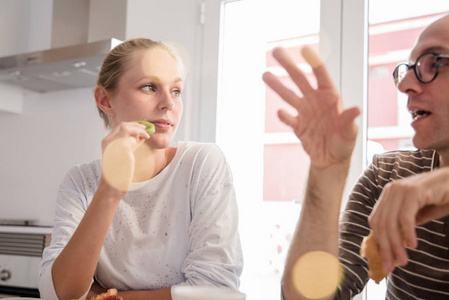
443,61
148,88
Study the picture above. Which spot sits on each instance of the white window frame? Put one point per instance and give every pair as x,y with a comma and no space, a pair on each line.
343,45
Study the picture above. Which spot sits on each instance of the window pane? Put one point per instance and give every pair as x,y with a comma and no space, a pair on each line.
267,160
394,28
285,172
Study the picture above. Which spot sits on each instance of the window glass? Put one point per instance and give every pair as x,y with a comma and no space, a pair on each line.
394,27
268,163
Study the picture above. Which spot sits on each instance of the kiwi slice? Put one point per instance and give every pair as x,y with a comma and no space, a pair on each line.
149,127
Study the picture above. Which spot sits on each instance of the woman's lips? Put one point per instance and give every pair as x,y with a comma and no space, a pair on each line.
162,124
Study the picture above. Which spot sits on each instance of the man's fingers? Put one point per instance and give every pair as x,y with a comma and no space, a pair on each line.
348,127
407,220
311,57
389,221
323,77
285,93
287,118
298,77
431,212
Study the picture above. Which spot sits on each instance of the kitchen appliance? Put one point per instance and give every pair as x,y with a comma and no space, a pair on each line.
21,247
58,68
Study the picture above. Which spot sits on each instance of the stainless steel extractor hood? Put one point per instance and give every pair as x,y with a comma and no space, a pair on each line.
56,69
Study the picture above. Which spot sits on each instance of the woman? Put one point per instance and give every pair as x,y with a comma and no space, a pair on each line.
148,216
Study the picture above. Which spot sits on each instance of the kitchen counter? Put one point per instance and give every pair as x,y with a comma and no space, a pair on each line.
26,229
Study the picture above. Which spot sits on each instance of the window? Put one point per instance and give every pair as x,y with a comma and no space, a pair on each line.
268,188
267,160
391,38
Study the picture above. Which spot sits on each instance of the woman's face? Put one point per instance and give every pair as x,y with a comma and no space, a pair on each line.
150,90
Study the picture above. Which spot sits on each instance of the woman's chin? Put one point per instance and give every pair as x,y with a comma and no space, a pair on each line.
158,142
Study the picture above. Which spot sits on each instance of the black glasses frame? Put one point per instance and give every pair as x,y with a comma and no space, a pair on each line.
415,68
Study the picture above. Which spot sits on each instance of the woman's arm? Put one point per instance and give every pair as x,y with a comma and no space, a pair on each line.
215,256
74,268
162,294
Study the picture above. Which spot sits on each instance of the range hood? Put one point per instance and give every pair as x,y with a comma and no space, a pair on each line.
58,68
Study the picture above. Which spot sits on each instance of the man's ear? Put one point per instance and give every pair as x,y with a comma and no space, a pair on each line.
102,98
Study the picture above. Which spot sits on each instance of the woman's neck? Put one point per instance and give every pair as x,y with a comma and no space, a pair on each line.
150,162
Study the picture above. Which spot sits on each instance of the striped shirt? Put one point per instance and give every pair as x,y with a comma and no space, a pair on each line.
426,276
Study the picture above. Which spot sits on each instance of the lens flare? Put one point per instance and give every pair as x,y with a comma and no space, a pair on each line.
118,165
311,57
317,274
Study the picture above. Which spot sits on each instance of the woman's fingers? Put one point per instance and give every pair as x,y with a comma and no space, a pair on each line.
134,129
127,129
118,154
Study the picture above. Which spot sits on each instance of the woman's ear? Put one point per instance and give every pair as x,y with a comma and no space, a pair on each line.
102,98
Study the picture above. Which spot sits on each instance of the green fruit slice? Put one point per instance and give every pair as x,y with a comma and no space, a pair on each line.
149,127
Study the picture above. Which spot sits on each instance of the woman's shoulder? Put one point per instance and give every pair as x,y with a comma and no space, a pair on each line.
83,174
198,148
201,154
93,167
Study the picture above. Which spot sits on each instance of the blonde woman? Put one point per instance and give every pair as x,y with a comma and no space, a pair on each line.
147,216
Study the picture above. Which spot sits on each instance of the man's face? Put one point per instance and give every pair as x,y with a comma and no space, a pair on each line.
429,103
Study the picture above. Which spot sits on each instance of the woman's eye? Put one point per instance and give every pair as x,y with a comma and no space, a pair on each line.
176,93
148,88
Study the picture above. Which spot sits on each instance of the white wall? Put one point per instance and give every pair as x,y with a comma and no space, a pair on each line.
178,23
57,130
54,132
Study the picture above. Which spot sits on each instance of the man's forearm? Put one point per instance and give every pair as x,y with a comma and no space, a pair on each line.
317,228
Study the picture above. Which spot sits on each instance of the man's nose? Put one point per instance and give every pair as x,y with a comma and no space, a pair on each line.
410,83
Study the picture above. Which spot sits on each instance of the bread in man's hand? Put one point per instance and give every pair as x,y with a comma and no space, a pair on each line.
370,250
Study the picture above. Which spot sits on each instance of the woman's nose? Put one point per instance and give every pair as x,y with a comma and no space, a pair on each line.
166,101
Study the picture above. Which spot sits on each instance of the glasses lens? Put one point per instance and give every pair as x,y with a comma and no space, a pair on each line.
399,73
426,67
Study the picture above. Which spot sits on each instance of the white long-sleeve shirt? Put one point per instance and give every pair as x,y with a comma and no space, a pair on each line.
178,228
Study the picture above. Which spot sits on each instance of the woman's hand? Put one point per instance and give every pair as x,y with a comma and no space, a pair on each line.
402,206
118,154
327,132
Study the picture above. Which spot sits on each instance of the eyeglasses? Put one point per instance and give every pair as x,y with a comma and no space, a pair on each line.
426,68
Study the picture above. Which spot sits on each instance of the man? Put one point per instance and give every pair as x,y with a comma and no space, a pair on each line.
403,196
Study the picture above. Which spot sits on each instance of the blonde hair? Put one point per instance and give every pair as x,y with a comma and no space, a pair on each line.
116,63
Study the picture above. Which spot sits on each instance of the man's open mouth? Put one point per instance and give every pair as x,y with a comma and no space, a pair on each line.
416,114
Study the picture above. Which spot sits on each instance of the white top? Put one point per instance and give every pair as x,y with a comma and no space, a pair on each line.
178,228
